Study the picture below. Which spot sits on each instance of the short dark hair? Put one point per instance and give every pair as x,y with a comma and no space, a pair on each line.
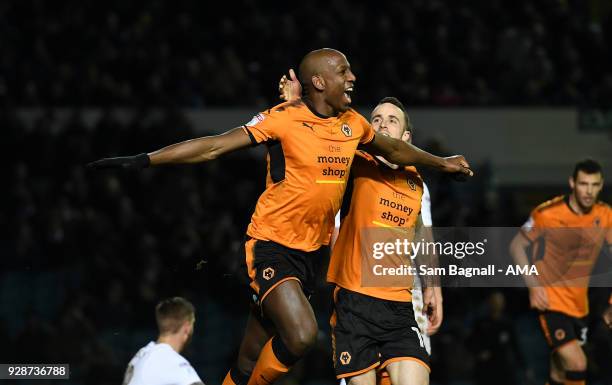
395,101
171,313
587,166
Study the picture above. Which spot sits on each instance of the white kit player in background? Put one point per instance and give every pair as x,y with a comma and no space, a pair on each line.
159,363
417,291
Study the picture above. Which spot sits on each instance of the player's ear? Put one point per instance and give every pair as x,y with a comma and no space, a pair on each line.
571,182
186,327
407,136
318,82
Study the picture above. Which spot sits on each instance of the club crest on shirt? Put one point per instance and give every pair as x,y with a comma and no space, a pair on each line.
411,184
268,273
346,130
256,119
559,334
345,358
597,221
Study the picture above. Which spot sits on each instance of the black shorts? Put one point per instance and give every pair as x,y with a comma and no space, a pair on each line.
369,332
560,328
269,264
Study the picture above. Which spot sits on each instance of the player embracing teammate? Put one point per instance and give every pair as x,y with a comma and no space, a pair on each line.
294,216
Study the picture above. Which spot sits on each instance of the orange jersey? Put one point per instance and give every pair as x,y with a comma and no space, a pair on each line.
309,158
381,197
571,243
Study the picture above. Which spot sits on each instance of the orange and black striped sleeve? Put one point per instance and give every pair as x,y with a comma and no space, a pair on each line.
368,131
267,125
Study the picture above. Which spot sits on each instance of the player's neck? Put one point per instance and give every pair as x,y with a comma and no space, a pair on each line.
174,342
576,207
318,107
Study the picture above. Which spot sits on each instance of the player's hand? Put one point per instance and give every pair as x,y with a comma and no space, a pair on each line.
458,167
436,320
135,162
607,316
289,88
538,298
432,309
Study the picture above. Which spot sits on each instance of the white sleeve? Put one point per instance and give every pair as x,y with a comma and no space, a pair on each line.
335,231
426,207
171,372
186,374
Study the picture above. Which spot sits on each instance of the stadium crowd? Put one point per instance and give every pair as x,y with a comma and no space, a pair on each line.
194,54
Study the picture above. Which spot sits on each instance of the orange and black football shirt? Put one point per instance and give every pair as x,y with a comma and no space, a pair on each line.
309,158
381,198
569,244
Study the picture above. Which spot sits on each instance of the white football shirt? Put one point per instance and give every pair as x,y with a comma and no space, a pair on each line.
417,291
159,364
426,207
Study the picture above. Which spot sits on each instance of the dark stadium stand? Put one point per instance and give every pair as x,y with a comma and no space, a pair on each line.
195,54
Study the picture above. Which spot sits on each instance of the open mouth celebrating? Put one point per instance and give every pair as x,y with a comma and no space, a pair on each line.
347,93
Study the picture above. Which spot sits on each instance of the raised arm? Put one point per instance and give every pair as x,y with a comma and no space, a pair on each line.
289,88
201,149
191,151
393,150
406,154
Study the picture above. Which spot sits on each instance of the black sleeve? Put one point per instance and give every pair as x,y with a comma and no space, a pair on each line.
348,195
253,141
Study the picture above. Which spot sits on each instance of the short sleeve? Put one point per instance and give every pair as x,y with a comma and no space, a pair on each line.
368,132
532,228
266,126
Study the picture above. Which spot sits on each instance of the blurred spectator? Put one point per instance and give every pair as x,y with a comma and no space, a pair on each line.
494,344
193,54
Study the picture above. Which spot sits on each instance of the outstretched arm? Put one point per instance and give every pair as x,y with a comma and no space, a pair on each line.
393,150
191,151
405,154
201,149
